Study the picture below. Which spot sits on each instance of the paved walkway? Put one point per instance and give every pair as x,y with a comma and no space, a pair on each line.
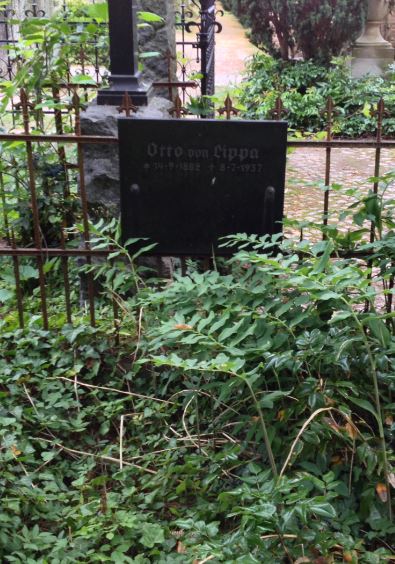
233,50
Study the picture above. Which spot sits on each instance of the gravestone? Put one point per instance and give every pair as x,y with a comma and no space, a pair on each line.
187,183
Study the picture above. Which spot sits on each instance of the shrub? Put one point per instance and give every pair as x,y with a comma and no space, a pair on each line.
319,29
304,87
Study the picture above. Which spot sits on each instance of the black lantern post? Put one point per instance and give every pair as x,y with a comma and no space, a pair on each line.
124,73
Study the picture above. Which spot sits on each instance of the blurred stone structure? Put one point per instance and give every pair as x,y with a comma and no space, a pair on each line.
371,53
389,29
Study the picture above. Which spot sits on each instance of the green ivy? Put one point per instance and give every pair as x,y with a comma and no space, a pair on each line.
241,414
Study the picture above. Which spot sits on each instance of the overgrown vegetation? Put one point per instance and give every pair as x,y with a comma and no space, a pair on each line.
304,88
243,414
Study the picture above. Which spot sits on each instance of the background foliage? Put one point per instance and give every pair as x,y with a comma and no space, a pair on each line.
318,29
304,87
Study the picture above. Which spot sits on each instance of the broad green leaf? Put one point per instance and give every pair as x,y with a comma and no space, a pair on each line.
339,316
5,295
323,510
379,330
268,399
364,404
82,79
152,534
323,261
149,17
97,12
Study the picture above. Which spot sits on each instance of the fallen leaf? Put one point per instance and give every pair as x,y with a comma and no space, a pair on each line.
351,430
281,415
381,490
15,451
389,420
350,557
333,425
181,548
183,327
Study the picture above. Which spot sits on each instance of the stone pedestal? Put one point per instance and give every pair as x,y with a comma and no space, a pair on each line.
102,178
372,54
102,161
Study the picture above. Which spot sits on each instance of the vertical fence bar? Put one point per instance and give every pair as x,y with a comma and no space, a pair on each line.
183,13
11,242
66,279
34,205
115,306
66,194
278,109
18,288
96,63
4,204
228,110
84,206
380,112
377,160
328,155
60,148
9,36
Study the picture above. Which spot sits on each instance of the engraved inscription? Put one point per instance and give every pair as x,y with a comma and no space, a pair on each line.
219,159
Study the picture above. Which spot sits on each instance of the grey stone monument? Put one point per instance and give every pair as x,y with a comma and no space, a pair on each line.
371,53
100,118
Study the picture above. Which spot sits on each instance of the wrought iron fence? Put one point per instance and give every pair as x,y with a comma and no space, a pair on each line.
206,26
43,195
87,56
88,53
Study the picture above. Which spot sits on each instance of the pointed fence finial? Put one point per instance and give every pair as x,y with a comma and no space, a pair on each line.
229,110
381,112
278,111
178,109
127,106
329,112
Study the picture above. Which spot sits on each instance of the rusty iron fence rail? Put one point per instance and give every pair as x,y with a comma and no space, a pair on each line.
31,238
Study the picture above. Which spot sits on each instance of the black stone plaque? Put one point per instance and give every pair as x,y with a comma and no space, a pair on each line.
187,183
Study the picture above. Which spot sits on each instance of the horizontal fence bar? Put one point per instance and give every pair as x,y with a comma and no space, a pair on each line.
343,143
59,252
97,139
52,252
87,139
